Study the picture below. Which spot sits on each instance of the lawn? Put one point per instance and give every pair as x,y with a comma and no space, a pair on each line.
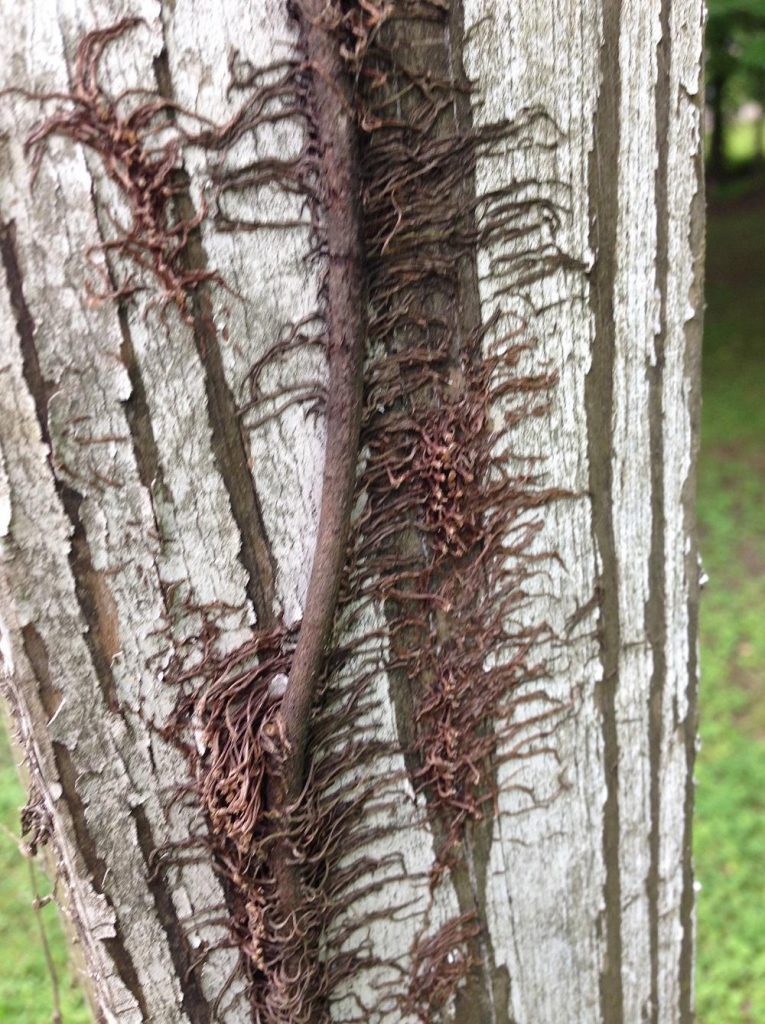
730,800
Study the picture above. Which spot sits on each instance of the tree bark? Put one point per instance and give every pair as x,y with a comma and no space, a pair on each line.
133,492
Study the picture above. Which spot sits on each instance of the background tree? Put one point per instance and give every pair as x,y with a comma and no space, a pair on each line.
490,815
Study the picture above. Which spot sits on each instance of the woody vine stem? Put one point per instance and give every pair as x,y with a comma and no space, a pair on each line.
331,114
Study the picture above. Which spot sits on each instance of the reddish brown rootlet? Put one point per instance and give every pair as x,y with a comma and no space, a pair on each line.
140,149
228,724
440,964
433,524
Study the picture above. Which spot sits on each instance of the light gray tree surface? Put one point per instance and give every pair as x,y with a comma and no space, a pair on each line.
125,479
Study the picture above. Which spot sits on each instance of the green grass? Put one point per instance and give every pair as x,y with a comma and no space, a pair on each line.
730,799
26,989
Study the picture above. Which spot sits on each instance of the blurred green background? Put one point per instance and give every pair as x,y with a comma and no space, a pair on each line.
730,797
729,837
729,843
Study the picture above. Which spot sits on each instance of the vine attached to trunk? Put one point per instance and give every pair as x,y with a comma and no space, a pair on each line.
330,111
426,514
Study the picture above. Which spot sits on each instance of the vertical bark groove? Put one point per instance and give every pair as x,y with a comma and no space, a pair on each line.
228,442
195,1006
34,648
434,48
692,368
138,418
603,187
656,607
25,327
97,609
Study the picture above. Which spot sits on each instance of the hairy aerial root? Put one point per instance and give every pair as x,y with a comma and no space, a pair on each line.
438,474
227,724
450,514
440,964
141,147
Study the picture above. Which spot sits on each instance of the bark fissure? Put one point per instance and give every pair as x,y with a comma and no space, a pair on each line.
35,650
93,597
195,1006
138,417
692,370
603,186
40,389
433,47
228,442
656,606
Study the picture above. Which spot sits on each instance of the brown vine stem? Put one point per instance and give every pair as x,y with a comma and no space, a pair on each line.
331,116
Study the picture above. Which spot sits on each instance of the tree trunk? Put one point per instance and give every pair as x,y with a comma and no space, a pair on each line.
718,164
160,513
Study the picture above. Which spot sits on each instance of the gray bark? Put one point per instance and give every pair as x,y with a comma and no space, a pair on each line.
123,483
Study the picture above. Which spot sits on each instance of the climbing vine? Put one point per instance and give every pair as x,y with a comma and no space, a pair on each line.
427,514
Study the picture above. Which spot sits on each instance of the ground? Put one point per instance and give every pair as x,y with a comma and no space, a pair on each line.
730,798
